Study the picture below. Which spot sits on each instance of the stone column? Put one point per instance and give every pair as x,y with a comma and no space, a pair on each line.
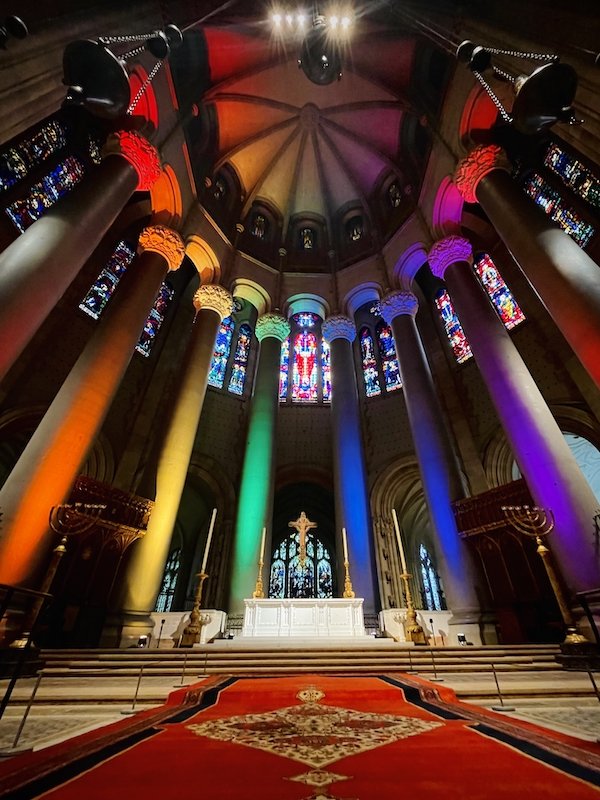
143,578
438,466
255,503
43,475
544,458
349,471
564,276
37,268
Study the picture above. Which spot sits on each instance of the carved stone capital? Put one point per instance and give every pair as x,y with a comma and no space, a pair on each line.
396,303
480,161
448,251
272,324
142,156
338,326
164,241
214,297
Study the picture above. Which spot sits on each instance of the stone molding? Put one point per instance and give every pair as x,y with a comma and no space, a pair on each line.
214,297
397,303
338,326
272,324
164,241
138,151
482,160
448,251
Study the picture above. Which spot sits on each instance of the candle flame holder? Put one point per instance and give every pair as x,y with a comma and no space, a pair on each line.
192,631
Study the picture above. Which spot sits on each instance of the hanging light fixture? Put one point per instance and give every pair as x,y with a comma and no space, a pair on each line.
97,78
542,98
320,56
12,28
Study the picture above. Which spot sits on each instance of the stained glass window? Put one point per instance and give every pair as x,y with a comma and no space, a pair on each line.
456,335
17,161
355,228
389,360
155,320
42,195
395,194
305,367
574,174
432,593
326,370
551,202
240,359
218,364
101,291
260,227
501,296
307,238
284,368
369,363
291,578
164,601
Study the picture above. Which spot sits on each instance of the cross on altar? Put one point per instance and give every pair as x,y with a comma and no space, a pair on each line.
302,525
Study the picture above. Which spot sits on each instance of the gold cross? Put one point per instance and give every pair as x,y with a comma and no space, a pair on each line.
302,525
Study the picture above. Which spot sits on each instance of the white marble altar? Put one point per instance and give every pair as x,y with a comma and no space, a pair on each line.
309,618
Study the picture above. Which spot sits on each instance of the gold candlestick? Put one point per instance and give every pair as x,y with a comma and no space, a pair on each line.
537,523
348,590
191,632
258,592
413,631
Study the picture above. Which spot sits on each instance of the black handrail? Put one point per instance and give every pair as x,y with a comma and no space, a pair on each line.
584,600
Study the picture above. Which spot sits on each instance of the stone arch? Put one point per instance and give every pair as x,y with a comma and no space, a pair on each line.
204,259
254,293
165,197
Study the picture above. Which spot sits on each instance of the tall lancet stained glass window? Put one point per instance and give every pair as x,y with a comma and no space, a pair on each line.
164,601
433,599
456,335
218,364
500,295
292,578
105,284
369,363
155,320
284,368
389,361
240,359
305,360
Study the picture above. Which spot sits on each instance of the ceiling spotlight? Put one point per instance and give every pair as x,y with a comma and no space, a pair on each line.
301,20
333,21
289,19
346,22
276,19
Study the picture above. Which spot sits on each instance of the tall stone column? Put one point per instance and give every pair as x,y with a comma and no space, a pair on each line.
143,578
50,463
543,456
37,268
564,276
437,461
255,503
349,470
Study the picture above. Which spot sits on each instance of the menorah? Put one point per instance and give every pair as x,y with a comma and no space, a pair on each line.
537,523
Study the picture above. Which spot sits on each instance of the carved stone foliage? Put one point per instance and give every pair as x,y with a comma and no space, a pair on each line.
448,251
480,161
139,152
272,324
164,241
338,326
215,297
396,303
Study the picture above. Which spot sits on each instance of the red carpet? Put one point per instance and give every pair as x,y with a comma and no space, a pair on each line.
313,737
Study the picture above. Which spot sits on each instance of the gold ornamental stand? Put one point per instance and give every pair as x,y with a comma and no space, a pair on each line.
259,591
413,631
348,590
192,631
537,523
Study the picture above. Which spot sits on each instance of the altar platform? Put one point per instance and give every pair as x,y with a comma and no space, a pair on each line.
335,618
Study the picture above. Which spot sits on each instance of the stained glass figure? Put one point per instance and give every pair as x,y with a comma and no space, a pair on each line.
500,295
389,360
355,228
574,174
369,363
155,320
326,370
305,364
218,364
552,203
17,161
101,291
284,367
240,359
432,593
307,238
290,578
456,335
45,193
164,601
260,227
395,194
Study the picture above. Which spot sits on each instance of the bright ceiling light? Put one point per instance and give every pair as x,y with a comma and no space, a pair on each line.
333,21
289,19
301,20
346,22
276,18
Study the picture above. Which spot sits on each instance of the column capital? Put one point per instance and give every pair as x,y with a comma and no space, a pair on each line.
164,241
396,303
338,326
214,297
272,324
480,161
448,251
138,151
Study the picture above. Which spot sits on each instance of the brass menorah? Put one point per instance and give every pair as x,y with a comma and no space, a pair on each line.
537,523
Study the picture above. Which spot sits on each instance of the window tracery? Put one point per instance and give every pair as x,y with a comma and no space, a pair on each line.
308,379
433,599
164,601
291,578
552,203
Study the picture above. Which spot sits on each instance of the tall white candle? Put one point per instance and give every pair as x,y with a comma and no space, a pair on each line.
399,540
345,544
208,540
262,544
